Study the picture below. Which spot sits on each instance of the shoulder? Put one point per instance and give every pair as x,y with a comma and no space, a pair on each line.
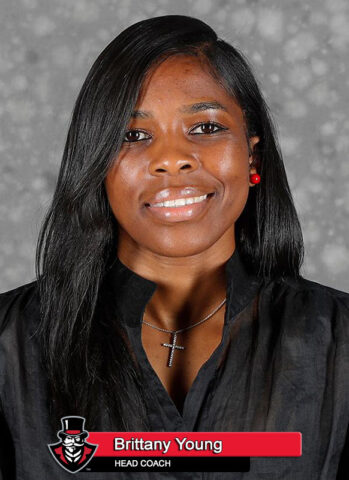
308,291
310,307
16,304
302,284
19,319
322,295
19,347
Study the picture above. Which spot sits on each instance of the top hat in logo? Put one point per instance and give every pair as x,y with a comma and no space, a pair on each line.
72,452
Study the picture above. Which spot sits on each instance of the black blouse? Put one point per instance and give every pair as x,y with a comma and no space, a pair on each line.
282,365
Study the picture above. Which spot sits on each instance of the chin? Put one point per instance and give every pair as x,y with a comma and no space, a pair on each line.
186,249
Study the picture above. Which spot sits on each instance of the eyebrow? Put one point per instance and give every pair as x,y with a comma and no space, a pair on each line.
195,107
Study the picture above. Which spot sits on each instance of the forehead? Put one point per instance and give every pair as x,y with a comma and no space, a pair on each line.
180,79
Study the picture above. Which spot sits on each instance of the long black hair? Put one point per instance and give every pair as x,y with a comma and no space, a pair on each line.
89,366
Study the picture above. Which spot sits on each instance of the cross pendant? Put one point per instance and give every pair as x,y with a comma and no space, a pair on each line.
172,346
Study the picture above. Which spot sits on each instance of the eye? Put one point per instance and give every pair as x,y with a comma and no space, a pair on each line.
132,136
207,128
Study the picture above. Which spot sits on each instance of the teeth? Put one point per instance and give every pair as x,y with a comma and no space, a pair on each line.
180,202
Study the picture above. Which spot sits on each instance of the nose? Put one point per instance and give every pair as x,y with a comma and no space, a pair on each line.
173,160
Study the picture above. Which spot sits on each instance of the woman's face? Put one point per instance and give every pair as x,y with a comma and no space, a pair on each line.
186,139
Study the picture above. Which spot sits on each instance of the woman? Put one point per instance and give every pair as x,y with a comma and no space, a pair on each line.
180,316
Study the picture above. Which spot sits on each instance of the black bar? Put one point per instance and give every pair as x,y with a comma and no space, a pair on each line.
175,464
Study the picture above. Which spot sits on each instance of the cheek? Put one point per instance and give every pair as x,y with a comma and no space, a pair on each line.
230,165
121,186
232,170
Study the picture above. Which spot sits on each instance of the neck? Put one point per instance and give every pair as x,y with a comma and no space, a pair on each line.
188,288
177,306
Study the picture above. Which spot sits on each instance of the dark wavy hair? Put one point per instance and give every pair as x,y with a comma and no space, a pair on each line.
89,366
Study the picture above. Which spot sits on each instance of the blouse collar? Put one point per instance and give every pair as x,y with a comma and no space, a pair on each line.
131,292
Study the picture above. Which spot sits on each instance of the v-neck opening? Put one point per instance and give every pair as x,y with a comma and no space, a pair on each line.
130,294
194,396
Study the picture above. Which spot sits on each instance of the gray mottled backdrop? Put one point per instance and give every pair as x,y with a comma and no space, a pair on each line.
299,49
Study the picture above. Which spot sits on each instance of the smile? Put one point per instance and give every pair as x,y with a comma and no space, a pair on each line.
181,209
181,201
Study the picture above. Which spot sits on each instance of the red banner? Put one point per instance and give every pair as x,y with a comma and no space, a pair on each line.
188,444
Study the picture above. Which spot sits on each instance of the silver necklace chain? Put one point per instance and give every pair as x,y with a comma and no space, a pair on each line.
174,333
190,326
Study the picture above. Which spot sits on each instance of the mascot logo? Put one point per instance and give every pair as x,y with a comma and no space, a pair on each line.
72,452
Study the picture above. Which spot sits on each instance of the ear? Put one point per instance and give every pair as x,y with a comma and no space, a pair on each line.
252,157
252,142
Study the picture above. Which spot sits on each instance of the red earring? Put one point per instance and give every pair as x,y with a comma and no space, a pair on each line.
255,178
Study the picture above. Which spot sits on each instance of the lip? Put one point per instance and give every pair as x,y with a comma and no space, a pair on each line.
182,213
174,193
